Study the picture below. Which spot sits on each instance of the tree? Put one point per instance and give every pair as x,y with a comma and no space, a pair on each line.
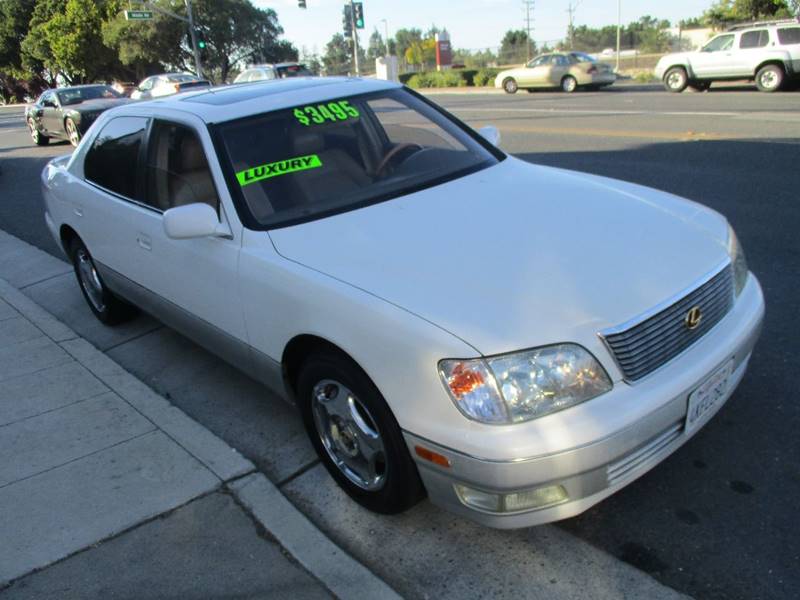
421,53
404,38
65,39
513,47
337,59
147,47
377,47
730,11
238,32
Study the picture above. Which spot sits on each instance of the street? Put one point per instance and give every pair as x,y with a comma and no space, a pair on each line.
715,520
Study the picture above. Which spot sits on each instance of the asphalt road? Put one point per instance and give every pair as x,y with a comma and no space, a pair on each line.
718,519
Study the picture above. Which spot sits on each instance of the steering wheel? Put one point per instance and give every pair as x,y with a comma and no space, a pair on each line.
392,153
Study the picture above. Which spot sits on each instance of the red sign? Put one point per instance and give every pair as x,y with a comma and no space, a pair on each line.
444,54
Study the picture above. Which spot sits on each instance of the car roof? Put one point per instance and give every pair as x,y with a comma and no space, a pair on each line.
77,87
229,102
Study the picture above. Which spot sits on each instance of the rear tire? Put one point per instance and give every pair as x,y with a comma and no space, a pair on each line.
36,135
770,78
510,85
108,309
72,132
356,435
676,80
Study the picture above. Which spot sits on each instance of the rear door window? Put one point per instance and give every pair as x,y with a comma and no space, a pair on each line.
113,160
754,39
789,35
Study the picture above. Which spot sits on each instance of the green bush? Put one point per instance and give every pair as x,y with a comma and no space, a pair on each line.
436,79
404,77
485,77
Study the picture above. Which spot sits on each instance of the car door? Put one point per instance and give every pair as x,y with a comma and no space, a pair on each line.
194,282
750,49
537,71
716,57
559,67
51,114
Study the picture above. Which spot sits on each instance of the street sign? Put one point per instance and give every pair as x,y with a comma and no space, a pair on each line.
138,15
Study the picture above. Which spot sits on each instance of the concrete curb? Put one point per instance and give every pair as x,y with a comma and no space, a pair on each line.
340,573
320,556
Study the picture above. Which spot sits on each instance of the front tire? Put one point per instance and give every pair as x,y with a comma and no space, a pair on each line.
108,309
569,84
356,435
72,132
770,78
36,135
510,85
676,80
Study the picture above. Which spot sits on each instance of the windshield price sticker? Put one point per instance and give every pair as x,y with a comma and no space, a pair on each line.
281,167
331,111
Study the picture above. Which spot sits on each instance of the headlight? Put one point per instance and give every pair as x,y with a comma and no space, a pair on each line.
524,385
738,261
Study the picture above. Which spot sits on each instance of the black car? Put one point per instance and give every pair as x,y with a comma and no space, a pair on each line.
66,113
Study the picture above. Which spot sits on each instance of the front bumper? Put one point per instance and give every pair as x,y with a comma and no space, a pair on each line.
591,472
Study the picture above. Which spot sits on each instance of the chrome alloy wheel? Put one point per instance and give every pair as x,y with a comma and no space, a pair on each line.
768,79
72,132
675,80
90,281
349,434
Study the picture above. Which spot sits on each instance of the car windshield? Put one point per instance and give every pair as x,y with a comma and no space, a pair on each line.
78,95
314,160
582,57
293,71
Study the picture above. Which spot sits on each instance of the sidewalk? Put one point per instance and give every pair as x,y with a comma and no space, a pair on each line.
133,497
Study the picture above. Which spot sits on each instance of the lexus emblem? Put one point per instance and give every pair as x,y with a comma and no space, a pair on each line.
693,318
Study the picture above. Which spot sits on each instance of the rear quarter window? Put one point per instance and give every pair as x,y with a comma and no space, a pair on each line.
789,35
112,161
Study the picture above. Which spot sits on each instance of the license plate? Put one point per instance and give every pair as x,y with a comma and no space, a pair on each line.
710,393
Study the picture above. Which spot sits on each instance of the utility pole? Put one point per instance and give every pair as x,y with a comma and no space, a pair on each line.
529,6
571,10
386,34
355,37
619,29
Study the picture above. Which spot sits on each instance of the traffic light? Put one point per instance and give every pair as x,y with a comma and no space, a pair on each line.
301,3
347,21
202,47
358,14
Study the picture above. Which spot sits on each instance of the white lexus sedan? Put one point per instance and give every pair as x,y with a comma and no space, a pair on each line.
516,341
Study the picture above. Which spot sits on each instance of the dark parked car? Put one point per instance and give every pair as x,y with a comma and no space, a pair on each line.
66,113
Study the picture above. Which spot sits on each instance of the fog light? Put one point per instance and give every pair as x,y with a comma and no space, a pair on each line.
514,502
479,499
538,498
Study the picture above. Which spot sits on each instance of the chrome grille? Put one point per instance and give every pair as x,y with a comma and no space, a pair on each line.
644,347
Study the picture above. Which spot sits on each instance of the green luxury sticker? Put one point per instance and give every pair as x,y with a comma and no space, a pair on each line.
331,111
281,167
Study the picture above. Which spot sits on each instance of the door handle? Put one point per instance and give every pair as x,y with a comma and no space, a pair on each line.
144,242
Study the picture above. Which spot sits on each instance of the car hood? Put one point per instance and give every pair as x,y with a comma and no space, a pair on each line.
99,105
518,255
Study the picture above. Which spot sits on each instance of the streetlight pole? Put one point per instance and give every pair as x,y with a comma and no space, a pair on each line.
619,29
386,34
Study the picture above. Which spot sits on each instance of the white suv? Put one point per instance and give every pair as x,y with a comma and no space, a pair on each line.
768,53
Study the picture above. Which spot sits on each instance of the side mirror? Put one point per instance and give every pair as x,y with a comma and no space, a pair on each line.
491,134
193,221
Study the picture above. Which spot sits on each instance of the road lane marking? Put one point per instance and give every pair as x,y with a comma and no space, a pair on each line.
582,111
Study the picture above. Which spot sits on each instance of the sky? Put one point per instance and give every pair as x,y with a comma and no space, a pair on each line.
472,24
